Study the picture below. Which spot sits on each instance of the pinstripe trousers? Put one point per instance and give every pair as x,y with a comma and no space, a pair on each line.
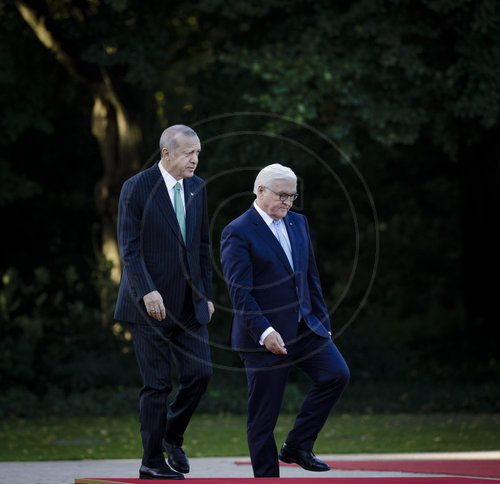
187,343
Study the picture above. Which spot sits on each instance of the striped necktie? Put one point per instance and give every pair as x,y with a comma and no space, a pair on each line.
282,240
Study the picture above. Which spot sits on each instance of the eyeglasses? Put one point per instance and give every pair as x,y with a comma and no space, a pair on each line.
284,196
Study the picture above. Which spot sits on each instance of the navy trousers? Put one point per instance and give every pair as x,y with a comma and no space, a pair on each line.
187,343
321,361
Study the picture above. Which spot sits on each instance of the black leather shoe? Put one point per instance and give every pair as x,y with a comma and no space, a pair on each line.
306,460
176,457
163,472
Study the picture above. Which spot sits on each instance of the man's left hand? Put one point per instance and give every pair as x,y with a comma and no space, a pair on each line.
274,343
211,309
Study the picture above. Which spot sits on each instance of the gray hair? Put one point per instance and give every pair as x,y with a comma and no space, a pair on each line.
168,138
273,172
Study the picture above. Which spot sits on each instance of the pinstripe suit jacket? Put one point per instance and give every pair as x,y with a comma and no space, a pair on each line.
153,252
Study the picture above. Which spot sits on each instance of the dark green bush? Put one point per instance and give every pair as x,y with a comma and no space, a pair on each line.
61,353
59,343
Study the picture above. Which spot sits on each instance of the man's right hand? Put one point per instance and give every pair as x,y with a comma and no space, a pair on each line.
154,305
274,343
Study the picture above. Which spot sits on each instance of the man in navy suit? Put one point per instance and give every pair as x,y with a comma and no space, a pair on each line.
280,320
166,294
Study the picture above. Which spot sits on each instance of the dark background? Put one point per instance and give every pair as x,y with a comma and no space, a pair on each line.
388,112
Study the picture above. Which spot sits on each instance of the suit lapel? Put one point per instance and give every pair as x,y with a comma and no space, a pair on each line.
267,235
293,236
189,202
163,199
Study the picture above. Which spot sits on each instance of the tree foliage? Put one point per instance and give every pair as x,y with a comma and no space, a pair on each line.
388,68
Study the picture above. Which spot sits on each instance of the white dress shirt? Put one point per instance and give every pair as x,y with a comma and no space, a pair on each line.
170,182
269,222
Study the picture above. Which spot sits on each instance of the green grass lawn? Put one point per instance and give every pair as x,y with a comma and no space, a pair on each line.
225,435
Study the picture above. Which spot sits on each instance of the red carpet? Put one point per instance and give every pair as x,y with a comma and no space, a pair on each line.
465,467
475,468
299,480
471,471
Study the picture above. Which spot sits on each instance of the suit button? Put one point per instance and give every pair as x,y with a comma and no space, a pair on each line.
295,310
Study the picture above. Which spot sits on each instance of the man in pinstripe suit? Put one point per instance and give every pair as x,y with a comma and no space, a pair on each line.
166,294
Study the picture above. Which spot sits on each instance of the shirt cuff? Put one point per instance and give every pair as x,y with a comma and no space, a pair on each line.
264,334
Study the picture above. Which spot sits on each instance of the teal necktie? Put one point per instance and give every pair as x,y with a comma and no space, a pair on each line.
179,210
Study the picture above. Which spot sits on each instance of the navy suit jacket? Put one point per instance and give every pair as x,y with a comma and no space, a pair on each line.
264,289
153,253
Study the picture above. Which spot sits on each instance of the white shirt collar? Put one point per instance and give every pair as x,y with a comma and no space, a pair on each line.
170,181
266,217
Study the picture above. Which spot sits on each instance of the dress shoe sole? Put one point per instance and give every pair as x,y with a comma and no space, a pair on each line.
289,460
178,469
148,476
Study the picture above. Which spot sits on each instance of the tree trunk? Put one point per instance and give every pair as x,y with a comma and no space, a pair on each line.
118,137
119,142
